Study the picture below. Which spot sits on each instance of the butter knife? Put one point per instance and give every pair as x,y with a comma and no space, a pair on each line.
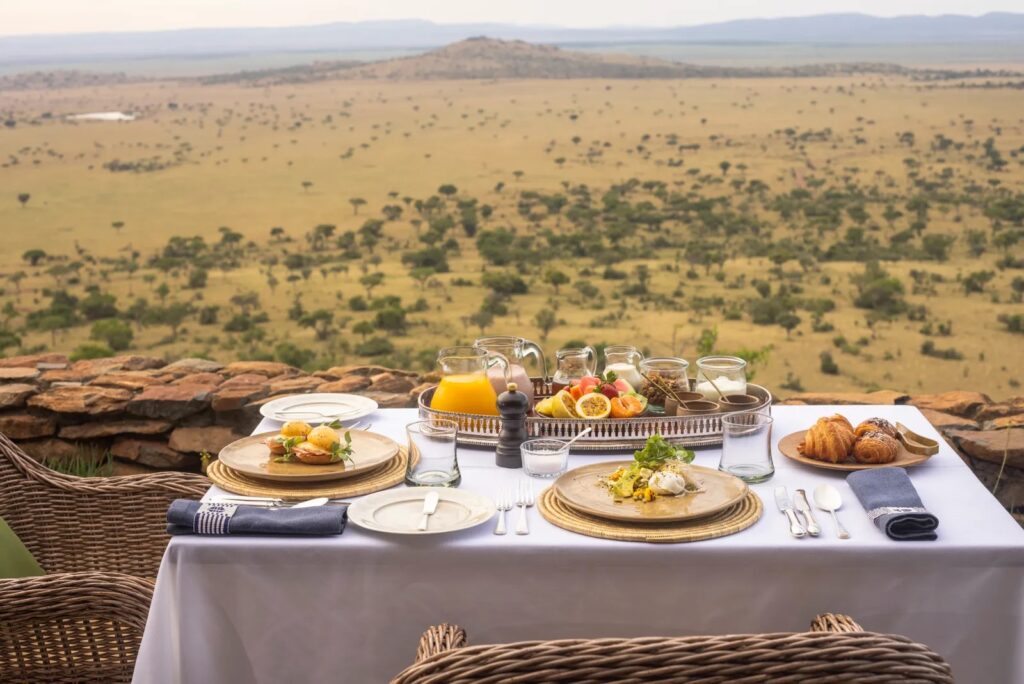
429,506
782,501
802,505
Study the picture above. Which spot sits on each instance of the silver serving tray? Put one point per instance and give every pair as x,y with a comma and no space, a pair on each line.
606,435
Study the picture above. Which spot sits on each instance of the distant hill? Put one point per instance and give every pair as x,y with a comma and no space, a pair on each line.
827,28
490,58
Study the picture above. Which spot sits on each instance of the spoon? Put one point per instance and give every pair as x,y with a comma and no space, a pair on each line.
720,395
827,498
582,432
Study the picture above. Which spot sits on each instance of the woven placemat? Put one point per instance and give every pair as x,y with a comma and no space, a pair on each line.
730,521
388,475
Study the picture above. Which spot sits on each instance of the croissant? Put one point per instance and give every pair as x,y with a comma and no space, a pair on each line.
840,419
830,440
875,447
876,425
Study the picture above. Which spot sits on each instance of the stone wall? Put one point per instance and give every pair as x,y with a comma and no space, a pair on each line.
151,414
988,435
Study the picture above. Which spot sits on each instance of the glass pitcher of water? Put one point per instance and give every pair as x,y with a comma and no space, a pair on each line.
515,350
465,385
573,364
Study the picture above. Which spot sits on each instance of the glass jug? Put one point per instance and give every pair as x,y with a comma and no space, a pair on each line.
515,350
622,359
573,364
465,386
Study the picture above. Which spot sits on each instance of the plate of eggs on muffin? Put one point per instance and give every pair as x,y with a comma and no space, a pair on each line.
833,442
299,452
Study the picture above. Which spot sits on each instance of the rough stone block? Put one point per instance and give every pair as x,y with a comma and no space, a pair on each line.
90,401
19,426
171,402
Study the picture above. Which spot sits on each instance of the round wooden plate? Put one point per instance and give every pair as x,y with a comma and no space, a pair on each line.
788,446
251,456
581,488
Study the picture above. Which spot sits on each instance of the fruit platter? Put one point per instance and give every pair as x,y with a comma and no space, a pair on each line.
631,399
619,420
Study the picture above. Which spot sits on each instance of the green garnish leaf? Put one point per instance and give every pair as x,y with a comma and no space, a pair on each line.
342,453
657,451
336,424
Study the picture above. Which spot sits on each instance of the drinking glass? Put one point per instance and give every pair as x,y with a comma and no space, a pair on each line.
432,457
545,457
747,446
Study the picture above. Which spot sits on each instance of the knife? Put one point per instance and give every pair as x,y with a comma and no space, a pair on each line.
429,506
782,501
800,501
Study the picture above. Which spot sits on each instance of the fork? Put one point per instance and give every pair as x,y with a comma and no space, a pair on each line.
504,503
524,501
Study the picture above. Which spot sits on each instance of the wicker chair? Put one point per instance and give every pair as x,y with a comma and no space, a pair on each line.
107,524
72,627
835,649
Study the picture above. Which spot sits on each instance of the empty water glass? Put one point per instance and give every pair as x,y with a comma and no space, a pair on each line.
747,446
432,454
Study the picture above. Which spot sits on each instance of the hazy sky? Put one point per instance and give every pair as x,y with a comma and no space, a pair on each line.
76,16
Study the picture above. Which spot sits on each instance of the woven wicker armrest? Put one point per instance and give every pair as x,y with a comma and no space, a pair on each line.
835,622
72,627
837,651
440,638
73,524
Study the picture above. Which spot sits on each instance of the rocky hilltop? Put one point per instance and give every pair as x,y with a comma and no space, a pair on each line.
150,414
490,58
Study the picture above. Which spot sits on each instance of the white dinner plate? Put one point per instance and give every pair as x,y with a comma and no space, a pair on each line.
319,408
398,511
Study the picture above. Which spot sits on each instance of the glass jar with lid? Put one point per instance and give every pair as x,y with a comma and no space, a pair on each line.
721,375
662,377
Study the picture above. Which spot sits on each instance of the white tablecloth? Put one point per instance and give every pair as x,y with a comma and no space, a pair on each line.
351,608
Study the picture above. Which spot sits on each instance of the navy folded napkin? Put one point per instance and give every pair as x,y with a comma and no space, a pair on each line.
194,517
892,503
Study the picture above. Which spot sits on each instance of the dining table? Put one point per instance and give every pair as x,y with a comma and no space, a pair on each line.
351,608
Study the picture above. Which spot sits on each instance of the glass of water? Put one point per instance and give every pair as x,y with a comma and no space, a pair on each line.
747,446
432,457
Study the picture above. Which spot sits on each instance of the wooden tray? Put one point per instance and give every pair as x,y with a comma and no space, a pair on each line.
251,456
788,447
581,489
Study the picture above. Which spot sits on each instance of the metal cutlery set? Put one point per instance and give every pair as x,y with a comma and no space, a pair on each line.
798,510
522,497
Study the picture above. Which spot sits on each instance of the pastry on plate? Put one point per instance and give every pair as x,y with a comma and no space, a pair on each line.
876,425
830,440
875,448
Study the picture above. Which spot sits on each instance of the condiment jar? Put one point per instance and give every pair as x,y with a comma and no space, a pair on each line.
724,374
663,377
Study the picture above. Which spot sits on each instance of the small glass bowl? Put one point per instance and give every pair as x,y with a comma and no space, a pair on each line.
545,457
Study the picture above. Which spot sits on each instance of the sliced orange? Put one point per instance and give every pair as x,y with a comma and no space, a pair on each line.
593,406
626,406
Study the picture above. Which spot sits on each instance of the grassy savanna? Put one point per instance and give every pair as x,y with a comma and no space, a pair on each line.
784,219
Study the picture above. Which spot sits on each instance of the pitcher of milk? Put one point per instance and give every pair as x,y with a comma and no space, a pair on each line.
623,360
516,350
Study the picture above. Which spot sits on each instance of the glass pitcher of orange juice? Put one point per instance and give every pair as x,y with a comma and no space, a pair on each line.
465,387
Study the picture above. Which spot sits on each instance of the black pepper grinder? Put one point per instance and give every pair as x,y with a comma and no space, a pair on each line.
513,406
